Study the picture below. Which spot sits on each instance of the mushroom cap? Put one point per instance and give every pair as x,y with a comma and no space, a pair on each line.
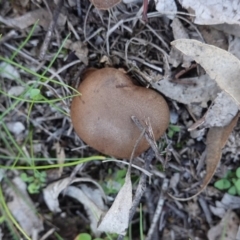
101,116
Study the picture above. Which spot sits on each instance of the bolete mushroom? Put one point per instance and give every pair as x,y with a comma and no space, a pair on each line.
101,116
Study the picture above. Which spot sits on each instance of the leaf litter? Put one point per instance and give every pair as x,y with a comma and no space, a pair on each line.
22,208
226,229
28,19
92,198
213,12
189,90
222,66
117,218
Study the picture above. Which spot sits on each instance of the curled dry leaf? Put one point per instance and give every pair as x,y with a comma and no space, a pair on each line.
227,228
221,65
52,191
213,12
216,140
92,202
93,199
105,4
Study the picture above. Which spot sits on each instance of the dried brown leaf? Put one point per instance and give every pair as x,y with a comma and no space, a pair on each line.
221,65
234,46
117,218
22,207
214,36
220,113
29,18
60,153
216,140
227,228
175,57
213,12
80,49
199,90
105,4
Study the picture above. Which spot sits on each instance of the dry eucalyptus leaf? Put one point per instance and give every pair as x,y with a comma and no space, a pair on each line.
22,207
214,36
131,1
193,208
105,4
20,6
117,218
23,3
231,29
52,191
238,233
217,211
80,49
221,65
60,153
2,174
92,201
166,7
197,90
234,46
230,201
227,228
174,182
72,3
214,11
8,71
16,90
28,19
221,112
176,57
216,140
15,127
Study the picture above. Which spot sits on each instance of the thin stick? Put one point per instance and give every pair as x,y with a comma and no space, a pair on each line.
51,27
149,138
134,149
158,209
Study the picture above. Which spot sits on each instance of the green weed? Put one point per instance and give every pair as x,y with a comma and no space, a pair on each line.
230,183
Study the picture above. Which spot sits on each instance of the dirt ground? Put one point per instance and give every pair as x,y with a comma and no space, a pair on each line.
55,186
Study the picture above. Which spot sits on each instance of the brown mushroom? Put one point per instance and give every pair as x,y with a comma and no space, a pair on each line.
101,116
